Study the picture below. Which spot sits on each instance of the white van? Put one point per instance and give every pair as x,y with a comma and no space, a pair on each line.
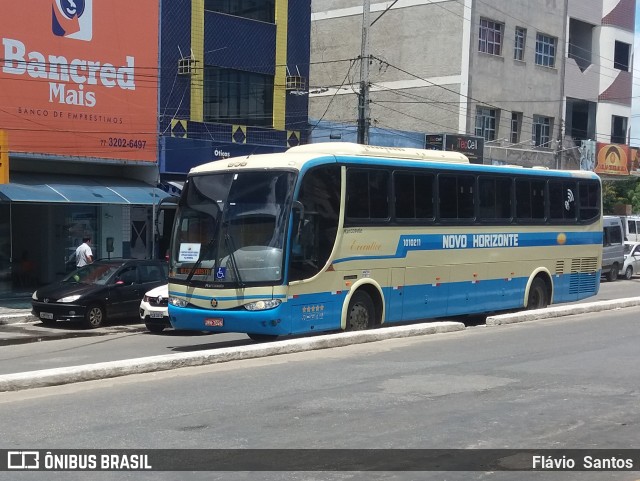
631,227
612,247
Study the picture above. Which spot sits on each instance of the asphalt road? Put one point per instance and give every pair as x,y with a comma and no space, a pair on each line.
570,382
29,347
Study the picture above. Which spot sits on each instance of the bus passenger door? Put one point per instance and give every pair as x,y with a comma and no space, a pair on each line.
395,295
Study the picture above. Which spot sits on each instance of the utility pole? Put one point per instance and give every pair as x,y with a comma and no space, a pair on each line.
363,98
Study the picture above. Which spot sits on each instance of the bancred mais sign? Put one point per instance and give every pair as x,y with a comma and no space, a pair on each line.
79,77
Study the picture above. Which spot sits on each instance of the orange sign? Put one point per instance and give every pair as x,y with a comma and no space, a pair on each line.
79,77
613,159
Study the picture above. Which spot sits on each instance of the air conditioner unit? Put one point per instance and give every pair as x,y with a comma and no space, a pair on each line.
295,82
185,65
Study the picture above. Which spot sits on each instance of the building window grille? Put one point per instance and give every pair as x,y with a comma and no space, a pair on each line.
486,123
545,50
518,48
516,122
490,37
541,131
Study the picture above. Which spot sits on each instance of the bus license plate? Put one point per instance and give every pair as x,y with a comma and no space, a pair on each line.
46,315
214,322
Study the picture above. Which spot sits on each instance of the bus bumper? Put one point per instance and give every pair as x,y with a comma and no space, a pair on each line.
271,321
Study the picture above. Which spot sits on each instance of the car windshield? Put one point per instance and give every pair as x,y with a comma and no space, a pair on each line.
230,227
627,249
92,274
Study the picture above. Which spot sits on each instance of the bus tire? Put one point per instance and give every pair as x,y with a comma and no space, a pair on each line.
262,337
538,297
612,275
361,312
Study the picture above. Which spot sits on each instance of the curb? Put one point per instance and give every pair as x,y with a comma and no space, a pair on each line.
104,370
559,311
18,318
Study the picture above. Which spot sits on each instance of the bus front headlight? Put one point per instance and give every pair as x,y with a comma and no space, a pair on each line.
176,301
263,305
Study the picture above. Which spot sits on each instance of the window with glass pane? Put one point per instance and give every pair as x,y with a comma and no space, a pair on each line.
516,122
518,48
545,50
589,200
263,10
542,131
456,197
490,37
618,130
562,200
237,97
495,198
621,55
367,194
486,123
414,195
530,200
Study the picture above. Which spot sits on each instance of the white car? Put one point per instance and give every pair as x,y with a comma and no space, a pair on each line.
154,310
631,259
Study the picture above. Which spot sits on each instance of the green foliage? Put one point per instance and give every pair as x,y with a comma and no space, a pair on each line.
620,192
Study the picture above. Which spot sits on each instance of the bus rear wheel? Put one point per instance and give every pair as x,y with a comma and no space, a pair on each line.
361,312
538,298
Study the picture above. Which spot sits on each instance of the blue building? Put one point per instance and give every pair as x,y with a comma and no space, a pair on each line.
233,77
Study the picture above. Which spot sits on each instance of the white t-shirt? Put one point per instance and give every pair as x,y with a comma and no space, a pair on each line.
82,255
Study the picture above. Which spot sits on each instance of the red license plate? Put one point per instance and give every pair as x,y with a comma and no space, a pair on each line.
214,322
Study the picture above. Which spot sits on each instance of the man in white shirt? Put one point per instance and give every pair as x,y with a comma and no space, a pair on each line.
84,255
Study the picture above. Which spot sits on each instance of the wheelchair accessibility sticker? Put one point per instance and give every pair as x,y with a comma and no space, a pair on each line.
221,273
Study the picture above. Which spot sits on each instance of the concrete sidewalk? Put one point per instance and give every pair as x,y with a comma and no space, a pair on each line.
66,375
16,310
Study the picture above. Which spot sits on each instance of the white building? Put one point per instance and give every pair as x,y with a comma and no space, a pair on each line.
533,77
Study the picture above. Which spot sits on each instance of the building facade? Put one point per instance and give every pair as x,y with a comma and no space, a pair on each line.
233,80
104,108
533,78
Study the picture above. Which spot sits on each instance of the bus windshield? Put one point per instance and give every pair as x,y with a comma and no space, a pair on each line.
230,228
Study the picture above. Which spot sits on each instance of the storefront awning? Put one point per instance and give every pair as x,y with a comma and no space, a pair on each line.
46,188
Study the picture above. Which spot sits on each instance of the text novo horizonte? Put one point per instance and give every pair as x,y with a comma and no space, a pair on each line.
59,72
464,241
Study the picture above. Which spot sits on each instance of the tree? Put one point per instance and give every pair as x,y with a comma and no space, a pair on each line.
620,192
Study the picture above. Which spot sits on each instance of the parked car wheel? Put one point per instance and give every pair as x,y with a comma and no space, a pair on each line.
94,316
613,273
628,273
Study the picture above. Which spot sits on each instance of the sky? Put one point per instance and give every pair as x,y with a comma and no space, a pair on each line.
635,106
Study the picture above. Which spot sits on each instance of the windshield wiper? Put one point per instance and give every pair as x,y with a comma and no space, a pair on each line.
231,247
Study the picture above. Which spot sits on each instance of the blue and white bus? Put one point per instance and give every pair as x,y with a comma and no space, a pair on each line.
340,236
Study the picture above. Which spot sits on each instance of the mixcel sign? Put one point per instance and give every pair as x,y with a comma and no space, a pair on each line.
79,78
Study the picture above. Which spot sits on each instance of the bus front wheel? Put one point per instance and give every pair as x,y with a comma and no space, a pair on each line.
361,312
538,298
